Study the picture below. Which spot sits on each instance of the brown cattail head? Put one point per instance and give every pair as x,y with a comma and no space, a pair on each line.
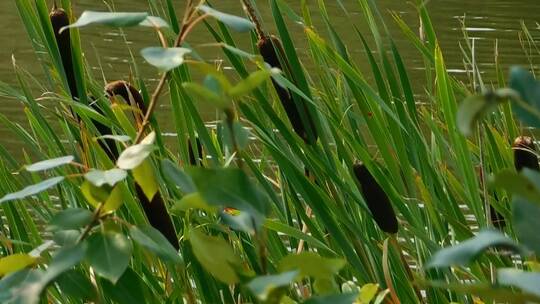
376,199
157,215
271,50
525,154
59,19
128,92
195,155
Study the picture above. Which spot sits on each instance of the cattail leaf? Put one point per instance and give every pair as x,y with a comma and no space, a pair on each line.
15,262
239,52
49,164
115,19
238,24
526,281
215,255
525,217
165,59
33,189
464,253
110,177
345,298
262,286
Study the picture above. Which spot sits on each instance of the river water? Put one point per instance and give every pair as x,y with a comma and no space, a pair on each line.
487,22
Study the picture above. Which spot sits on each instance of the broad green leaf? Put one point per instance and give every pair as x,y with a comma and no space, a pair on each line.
528,88
99,178
33,189
146,179
155,22
49,164
108,18
325,286
526,281
192,201
75,284
262,286
112,198
66,237
115,199
207,94
133,156
250,83
517,184
22,287
153,240
236,23
311,264
109,254
130,289
15,262
346,298
467,251
70,219
525,218
64,259
215,255
229,188
177,177
241,136
368,293
165,59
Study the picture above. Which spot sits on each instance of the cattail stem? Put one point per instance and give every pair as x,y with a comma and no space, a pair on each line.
408,270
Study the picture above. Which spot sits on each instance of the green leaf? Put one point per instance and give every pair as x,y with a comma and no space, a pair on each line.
325,286
155,22
346,298
236,23
133,156
528,88
229,188
368,293
311,264
118,138
215,255
75,284
146,179
99,178
262,286
206,94
153,240
526,225
526,281
49,164
33,189
66,237
130,289
517,183
114,19
112,198
22,287
109,254
241,135
70,219
250,83
465,252
165,59
15,262
177,177
64,259
192,201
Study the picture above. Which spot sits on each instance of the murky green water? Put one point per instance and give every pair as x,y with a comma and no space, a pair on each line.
487,22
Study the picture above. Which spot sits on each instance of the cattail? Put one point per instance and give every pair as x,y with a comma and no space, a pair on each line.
194,156
60,19
376,199
525,154
271,50
158,216
108,145
128,92
155,209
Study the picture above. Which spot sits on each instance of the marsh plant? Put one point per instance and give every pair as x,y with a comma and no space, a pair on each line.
327,185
